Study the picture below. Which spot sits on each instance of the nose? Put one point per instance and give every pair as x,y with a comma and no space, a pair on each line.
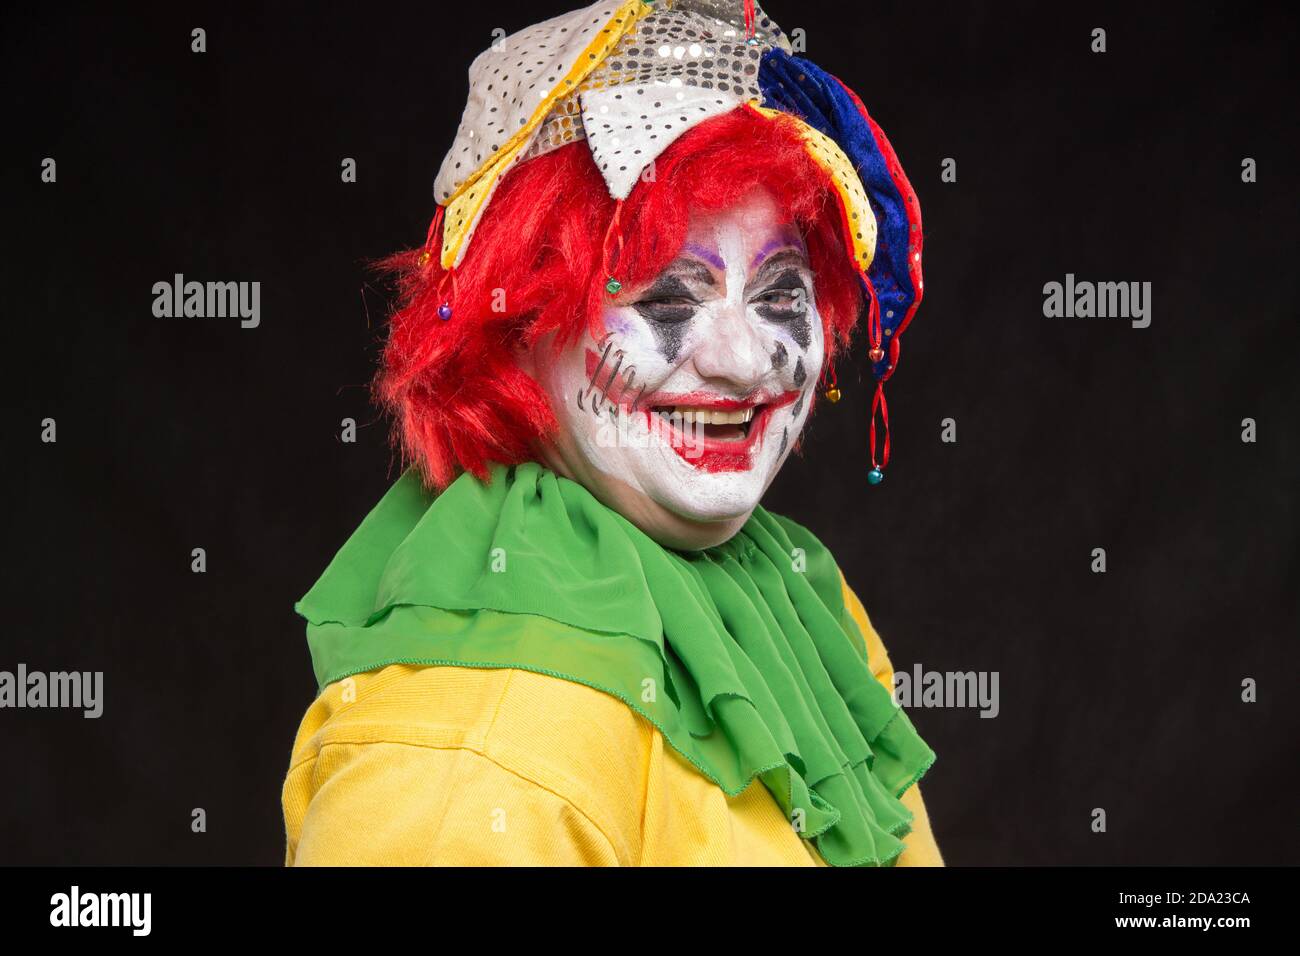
734,354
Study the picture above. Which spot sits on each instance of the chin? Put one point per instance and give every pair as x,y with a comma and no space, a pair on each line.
699,495
711,500
683,533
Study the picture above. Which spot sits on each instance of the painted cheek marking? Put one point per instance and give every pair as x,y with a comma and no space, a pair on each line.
619,385
615,324
800,327
800,376
668,338
594,365
780,356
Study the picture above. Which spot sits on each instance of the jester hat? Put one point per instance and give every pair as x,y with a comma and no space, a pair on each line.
629,77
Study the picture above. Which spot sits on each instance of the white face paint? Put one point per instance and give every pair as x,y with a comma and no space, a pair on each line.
683,414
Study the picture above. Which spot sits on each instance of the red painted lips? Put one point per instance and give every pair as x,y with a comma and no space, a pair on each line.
688,439
713,454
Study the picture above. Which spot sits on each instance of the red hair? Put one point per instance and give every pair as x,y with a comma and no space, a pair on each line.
534,266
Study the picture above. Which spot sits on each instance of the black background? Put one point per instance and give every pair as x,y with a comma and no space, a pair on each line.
1118,690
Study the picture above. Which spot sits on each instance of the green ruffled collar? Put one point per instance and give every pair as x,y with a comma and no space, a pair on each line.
742,655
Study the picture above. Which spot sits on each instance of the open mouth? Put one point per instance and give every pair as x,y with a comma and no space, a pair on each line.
712,424
710,433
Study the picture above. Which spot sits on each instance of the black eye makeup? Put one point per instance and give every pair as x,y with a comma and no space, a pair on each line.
669,299
784,298
679,292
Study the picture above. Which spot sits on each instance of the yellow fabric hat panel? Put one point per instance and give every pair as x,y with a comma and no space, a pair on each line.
827,154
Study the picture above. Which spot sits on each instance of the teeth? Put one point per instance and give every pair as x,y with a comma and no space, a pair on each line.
710,416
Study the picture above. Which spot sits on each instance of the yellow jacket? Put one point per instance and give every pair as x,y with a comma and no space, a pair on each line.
414,766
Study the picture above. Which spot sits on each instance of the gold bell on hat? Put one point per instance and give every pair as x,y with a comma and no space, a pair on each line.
832,391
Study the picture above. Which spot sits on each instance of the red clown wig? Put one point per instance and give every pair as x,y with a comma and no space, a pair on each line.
536,266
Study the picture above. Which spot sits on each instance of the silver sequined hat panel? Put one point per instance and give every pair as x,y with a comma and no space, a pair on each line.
677,46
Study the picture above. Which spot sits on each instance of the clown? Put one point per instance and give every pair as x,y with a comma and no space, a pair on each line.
570,634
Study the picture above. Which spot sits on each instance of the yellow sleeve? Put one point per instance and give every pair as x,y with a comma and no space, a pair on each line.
922,850
412,766
388,804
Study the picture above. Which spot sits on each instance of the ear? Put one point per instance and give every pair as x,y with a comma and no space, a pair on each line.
525,357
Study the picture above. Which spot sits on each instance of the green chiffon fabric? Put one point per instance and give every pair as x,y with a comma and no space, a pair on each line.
742,655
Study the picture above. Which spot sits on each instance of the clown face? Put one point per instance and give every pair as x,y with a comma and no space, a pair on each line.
682,414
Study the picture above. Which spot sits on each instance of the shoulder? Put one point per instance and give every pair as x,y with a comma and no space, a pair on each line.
877,656
575,744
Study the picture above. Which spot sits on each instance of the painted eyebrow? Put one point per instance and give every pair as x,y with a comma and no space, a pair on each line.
784,240
790,257
691,269
708,255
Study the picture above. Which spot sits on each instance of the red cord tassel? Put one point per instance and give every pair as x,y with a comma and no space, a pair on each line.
446,292
879,402
447,289
435,229
613,235
875,334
